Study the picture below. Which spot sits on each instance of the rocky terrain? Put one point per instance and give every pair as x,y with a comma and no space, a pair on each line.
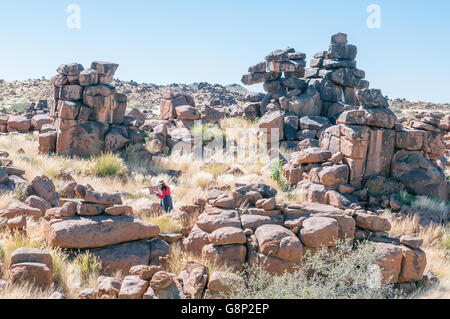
352,182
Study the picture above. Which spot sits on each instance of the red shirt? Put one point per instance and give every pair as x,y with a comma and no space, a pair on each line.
165,193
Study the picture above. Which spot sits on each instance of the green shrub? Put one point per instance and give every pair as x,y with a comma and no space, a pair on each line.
208,132
88,265
2,253
276,168
405,197
347,273
19,107
106,165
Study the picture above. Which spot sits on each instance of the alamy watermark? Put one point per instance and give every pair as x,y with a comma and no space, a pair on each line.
374,19
74,19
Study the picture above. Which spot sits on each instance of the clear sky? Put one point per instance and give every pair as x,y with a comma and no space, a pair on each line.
186,41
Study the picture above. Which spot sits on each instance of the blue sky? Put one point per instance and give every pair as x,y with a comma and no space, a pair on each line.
175,41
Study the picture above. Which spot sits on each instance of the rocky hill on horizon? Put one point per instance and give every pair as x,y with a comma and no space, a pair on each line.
18,94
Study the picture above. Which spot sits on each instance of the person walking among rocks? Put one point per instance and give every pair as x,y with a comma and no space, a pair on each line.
166,197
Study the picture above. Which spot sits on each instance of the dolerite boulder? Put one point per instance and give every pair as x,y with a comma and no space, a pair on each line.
98,231
419,175
123,257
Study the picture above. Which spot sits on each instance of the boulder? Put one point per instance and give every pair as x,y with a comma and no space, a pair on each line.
103,198
215,218
31,255
371,98
227,236
277,241
195,241
254,221
232,255
413,265
195,278
38,121
119,210
133,288
165,286
272,125
18,124
39,203
412,242
333,176
122,257
390,259
145,272
98,231
310,156
36,274
16,208
319,231
43,187
109,286
372,222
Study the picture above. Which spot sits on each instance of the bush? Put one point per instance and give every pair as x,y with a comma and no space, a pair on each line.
208,133
276,167
347,273
19,107
405,197
431,204
381,185
106,165
2,253
88,265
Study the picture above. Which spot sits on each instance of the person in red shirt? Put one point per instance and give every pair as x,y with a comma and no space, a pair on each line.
166,197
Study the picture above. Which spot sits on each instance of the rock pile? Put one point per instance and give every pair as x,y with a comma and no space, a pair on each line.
88,112
277,235
343,133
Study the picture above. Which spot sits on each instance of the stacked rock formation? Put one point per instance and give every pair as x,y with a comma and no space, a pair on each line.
278,235
343,133
88,112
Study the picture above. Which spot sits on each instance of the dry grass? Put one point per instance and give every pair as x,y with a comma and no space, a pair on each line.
179,258
435,245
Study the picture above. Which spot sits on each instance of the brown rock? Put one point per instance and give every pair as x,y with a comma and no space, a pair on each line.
98,231
227,236
119,210
372,222
232,255
277,241
194,277
133,288
412,242
36,274
390,261
319,231
145,272
110,286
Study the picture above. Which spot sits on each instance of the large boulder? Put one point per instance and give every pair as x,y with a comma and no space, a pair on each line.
215,218
390,259
419,175
372,222
80,138
310,156
272,124
123,257
133,288
277,241
227,236
36,274
43,187
18,124
319,231
232,255
98,231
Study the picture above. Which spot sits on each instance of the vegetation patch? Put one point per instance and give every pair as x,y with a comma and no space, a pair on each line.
106,165
276,168
347,273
